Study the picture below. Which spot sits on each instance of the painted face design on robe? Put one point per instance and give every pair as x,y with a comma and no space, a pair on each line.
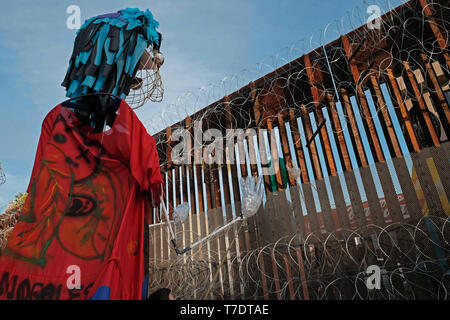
74,196
81,153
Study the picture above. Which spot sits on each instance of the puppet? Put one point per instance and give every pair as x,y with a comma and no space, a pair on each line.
81,233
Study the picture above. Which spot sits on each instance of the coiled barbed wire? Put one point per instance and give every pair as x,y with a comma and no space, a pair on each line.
413,259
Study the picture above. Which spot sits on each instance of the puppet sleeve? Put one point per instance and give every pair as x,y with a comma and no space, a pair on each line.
144,159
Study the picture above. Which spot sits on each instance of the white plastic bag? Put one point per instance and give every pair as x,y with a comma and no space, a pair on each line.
181,213
252,195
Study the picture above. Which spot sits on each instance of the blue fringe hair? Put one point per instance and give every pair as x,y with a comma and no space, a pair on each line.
107,50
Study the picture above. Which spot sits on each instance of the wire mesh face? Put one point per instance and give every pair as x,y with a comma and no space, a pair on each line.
147,84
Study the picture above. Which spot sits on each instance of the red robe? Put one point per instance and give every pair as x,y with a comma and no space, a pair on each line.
81,231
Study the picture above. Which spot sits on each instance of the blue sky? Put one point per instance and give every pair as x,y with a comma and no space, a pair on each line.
204,42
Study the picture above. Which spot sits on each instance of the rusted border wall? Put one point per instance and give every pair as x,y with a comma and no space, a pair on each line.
364,121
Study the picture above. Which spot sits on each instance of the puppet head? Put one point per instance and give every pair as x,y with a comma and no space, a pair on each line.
117,53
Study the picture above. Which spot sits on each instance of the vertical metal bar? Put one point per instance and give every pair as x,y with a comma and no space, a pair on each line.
404,115
317,99
382,106
274,152
285,146
298,146
235,184
169,167
440,101
339,132
209,185
190,163
177,183
198,176
312,146
354,127
234,174
423,108
362,100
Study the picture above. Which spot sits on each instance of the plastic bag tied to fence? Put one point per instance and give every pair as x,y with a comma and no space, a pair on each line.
181,213
252,195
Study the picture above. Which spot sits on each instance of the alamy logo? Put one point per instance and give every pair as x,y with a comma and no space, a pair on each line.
74,20
373,281
213,147
374,20
74,280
